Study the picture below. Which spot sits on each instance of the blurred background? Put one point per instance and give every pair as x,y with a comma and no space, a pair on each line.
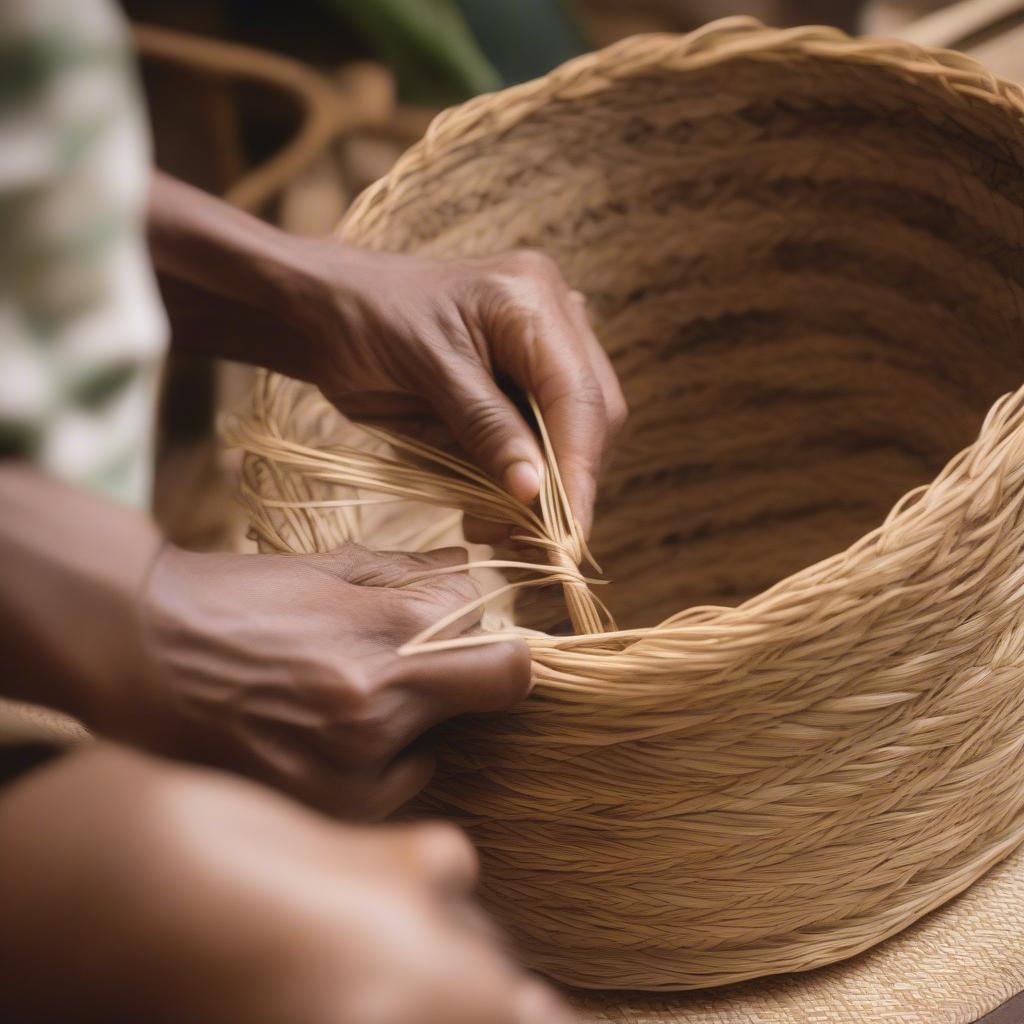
289,110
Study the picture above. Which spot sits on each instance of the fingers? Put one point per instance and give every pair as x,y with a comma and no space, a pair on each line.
437,558
616,409
469,680
491,989
536,1003
443,855
437,686
490,429
483,531
402,596
441,596
544,342
571,400
360,566
477,983
428,689
369,792
406,776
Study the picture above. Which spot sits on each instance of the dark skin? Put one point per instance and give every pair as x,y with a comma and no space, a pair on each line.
284,668
345,738
137,890
410,342
203,898
216,660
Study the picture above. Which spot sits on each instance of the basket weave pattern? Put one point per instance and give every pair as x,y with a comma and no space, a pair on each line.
805,255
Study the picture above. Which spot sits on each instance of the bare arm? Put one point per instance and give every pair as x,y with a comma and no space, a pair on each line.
72,570
384,331
281,667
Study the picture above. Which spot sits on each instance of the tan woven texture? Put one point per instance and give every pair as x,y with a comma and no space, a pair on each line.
805,255
953,967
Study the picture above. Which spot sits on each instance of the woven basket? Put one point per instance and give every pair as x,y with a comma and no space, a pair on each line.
805,255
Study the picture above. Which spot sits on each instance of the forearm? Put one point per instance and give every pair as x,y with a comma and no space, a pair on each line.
198,238
72,568
225,274
212,325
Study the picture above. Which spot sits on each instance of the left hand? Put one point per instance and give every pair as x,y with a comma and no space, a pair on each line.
395,336
285,668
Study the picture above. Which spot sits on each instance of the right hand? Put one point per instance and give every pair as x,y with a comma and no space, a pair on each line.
285,668
168,894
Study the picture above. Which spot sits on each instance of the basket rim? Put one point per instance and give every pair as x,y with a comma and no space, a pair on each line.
974,481
967,476
733,38
791,732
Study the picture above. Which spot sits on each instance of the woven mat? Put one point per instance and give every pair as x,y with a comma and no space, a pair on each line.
952,967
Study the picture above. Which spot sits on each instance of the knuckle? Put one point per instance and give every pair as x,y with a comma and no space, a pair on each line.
380,569
372,736
532,263
528,282
588,393
513,670
585,401
618,413
415,615
455,590
438,598
421,609
405,612
343,562
358,686
446,850
362,717
483,420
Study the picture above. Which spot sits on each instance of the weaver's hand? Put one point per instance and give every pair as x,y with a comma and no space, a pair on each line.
197,897
284,667
397,335
390,336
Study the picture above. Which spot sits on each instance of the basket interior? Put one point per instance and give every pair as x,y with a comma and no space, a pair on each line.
805,257
809,277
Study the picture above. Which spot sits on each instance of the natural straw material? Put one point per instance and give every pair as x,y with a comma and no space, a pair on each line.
805,255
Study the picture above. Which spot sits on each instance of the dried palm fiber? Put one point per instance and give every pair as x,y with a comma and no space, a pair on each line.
953,966
805,256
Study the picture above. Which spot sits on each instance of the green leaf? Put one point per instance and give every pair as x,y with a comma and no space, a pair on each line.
428,45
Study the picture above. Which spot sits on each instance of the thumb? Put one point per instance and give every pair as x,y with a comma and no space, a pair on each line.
491,430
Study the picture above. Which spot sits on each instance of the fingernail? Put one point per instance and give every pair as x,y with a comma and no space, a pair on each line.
522,480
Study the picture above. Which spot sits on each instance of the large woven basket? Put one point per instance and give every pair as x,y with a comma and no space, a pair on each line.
805,255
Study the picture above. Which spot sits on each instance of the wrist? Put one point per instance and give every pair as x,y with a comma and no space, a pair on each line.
324,291
241,272
74,567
